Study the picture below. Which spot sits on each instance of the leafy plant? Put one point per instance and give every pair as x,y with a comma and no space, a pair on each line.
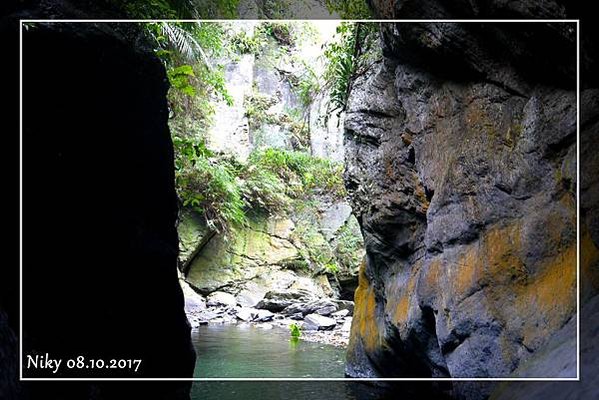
179,77
178,9
264,190
280,31
148,9
301,171
271,181
187,49
348,57
208,184
295,330
256,106
214,9
308,84
244,43
225,190
181,37
332,268
349,9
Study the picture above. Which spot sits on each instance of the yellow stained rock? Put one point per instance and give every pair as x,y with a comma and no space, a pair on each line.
364,324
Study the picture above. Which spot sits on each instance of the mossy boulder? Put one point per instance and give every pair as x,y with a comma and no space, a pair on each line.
193,232
242,255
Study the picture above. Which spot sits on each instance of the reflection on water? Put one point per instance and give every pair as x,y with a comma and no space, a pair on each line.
237,351
229,351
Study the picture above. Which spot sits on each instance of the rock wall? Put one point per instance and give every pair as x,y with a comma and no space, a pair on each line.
272,254
266,110
99,206
297,260
461,155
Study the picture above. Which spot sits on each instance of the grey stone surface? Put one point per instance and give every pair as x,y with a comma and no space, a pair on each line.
550,360
277,300
264,316
317,306
316,322
459,167
251,294
340,314
345,305
194,302
221,299
247,314
333,218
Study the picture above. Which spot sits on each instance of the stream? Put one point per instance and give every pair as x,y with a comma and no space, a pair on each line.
238,351
247,351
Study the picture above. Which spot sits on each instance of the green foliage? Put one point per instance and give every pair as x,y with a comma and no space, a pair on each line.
179,77
243,43
215,9
286,34
349,245
208,184
295,330
180,37
349,9
349,54
331,268
302,173
308,84
225,190
264,190
256,106
348,57
148,9
272,181
178,9
186,50
280,31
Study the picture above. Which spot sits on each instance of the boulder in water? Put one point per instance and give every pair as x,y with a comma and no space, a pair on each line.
316,322
264,315
318,306
221,299
247,314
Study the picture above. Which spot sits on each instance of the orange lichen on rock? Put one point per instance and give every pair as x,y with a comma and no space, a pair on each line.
549,299
544,300
364,324
398,305
465,273
432,274
500,255
420,194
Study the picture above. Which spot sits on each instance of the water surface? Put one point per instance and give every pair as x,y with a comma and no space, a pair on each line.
238,351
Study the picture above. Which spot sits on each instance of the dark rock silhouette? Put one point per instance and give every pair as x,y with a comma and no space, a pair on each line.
99,210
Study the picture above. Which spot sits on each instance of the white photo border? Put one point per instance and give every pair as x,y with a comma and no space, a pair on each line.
345,379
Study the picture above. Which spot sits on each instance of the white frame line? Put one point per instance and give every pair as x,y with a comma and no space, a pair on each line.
486,379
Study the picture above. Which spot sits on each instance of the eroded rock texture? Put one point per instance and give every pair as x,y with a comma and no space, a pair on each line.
461,154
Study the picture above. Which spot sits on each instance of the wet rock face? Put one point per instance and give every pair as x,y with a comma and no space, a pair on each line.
461,165
100,267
